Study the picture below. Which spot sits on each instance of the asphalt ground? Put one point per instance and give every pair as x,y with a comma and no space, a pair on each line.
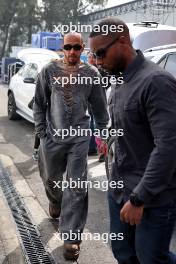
16,145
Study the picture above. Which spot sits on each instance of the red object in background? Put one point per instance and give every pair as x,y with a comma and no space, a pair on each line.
101,145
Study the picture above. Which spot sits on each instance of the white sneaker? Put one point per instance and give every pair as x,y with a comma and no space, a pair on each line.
35,155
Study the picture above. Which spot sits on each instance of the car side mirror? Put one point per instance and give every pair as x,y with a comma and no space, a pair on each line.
29,80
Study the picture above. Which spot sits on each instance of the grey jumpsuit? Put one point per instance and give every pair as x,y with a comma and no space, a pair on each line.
59,107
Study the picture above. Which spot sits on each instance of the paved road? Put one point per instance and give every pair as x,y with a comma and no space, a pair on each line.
16,141
17,137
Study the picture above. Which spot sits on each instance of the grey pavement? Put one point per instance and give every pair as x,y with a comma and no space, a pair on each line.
16,146
10,249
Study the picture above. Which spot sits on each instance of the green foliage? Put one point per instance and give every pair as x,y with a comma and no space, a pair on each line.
20,18
62,12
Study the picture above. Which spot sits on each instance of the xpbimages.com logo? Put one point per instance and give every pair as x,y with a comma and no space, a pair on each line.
105,29
104,81
80,184
72,236
87,132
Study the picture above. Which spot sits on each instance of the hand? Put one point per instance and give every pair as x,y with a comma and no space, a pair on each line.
131,214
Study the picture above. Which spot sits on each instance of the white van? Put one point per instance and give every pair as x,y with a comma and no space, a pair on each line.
148,34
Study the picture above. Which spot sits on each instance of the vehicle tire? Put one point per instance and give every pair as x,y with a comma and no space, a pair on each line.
11,107
110,156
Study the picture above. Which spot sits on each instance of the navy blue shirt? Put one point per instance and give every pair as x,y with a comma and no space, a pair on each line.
145,157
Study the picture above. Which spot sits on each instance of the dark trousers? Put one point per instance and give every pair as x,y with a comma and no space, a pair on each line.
36,142
92,144
54,160
147,243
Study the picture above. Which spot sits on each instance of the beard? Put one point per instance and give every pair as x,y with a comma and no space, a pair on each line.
118,67
72,60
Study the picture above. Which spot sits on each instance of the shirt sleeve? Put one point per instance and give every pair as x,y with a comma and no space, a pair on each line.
160,106
98,103
41,99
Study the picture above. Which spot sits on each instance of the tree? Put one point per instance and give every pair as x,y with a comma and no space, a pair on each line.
65,11
18,20
7,14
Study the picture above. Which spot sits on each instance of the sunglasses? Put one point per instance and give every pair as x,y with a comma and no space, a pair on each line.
75,47
101,53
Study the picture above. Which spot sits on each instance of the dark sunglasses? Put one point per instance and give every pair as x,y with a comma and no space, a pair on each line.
75,47
101,53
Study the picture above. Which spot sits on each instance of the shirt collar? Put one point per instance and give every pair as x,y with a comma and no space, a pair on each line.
134,66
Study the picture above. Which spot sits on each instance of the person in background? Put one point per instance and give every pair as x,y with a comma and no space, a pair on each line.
96,141
36,139
92,144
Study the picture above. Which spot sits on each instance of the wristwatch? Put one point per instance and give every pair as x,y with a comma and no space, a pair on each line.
135,200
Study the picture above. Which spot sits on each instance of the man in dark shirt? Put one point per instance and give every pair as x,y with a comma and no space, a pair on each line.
144,106
61,104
